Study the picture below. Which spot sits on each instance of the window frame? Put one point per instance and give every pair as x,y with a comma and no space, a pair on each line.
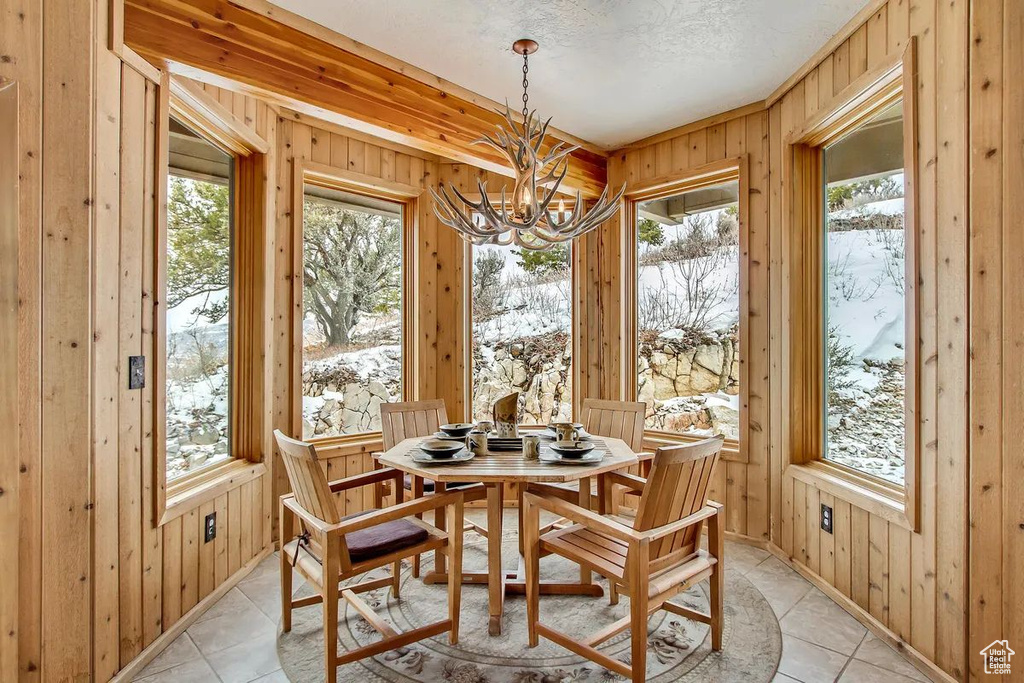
803,211
707,175
249,407
575,400
323,175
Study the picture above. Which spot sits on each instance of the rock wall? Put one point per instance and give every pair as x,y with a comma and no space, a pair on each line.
337,401
537,367
676,371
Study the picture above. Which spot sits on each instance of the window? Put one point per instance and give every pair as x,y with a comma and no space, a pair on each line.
199,303
352,277
688,310
851,356
522,331
865,301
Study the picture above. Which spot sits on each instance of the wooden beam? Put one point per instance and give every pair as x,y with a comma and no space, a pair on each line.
317,77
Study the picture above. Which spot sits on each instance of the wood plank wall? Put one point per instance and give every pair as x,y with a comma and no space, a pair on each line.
146,578
997,335
94,582
914,584
439,263
742,487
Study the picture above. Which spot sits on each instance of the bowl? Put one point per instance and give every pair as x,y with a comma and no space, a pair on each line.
553,426
572,449
457,428
441,448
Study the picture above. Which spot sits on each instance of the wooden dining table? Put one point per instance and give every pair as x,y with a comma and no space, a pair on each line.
494,470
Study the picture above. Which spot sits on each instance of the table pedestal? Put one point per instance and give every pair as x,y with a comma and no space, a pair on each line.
501,583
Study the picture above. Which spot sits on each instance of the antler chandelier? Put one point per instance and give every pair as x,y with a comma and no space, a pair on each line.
527,219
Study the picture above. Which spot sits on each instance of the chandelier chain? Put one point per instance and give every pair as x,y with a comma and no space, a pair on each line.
526,84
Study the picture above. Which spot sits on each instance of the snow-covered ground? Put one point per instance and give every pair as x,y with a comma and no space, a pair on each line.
866,309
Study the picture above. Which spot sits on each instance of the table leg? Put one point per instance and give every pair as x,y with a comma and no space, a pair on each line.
440,559
495,577
602,494
585,576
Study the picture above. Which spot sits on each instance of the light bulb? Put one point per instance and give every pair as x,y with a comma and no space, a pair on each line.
527,197
561,208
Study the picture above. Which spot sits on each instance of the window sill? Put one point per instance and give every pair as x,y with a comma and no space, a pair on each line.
731,450
880,500
190,494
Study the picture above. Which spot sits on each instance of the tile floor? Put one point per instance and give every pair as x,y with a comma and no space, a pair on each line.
235,640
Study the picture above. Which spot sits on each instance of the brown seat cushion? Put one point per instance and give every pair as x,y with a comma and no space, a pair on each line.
382,539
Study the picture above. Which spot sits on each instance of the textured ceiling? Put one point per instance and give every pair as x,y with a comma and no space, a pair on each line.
608,71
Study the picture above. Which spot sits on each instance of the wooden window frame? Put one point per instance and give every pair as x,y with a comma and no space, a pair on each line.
251,304
322,175
733,169
803,211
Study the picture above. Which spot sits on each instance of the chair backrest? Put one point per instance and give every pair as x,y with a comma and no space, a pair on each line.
408,419
307,478
677,487
615,419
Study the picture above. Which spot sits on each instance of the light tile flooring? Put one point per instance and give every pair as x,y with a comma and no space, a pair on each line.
235,640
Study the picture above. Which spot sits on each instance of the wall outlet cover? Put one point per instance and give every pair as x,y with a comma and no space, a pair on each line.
136,372
210,527
826,518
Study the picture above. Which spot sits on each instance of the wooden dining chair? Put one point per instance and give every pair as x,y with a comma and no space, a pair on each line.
406,420
331,548
613,419
651,561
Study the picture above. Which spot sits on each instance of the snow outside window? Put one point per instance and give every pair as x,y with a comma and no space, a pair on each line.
865,330
199,302
688,311
522,331
352,311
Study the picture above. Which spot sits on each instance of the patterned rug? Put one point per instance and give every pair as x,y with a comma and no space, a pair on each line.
678,650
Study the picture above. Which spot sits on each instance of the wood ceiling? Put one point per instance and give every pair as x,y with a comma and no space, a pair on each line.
315,76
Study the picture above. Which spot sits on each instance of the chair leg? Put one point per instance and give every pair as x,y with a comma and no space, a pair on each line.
531,544
613,593
716,546
638,628
456,515
396,575
330,610
639,580
286,592
417,492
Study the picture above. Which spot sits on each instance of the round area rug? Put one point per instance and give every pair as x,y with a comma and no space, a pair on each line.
678,649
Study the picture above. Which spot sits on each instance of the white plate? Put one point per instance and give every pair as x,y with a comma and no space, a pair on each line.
592,458
422,458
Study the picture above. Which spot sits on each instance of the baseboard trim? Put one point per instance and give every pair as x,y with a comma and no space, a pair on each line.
920,661
134,667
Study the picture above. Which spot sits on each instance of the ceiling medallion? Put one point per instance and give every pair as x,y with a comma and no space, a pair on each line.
527,218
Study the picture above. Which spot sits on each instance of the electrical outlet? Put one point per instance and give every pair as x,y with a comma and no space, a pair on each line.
211,527
826,518
136,372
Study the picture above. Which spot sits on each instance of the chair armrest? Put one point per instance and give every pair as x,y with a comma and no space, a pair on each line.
630,481
364,479
707,511
581,515
400,511
644,457
549,490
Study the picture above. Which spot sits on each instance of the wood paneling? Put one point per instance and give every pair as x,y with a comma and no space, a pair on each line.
996,164
911,584
237,43
602,360
93,579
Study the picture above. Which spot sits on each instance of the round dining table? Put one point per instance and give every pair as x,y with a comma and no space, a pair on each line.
494,469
